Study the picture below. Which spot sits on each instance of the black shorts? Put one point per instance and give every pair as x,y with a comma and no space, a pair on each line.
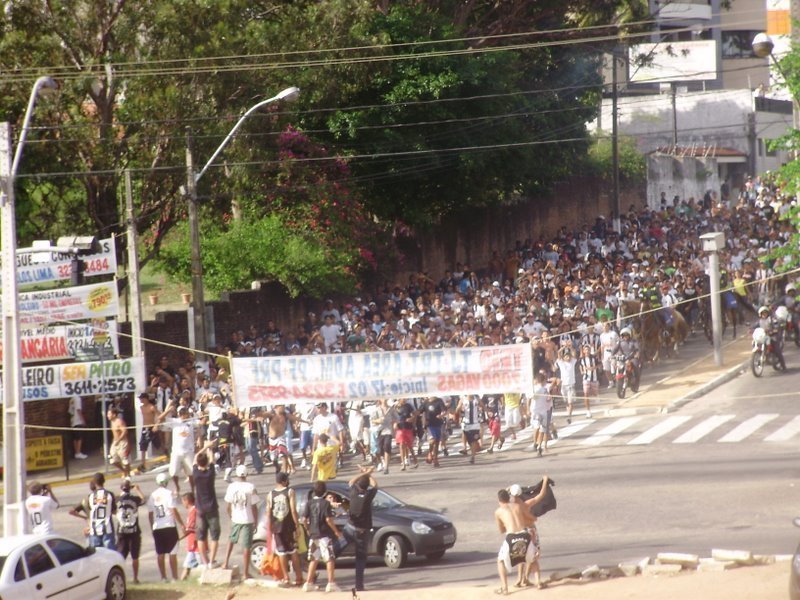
129,543
146,439
472,436
77,432
385,444
166,539
285,541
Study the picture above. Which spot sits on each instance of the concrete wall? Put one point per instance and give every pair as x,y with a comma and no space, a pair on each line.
718,117
680,176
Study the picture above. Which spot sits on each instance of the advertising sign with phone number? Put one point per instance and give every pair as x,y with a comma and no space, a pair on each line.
109,377
77,303
31,270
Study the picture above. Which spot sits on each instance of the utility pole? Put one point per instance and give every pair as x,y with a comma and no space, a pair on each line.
615,142
198,298
134,292
674,89
14,472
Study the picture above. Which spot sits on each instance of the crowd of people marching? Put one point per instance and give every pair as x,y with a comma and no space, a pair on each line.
562,295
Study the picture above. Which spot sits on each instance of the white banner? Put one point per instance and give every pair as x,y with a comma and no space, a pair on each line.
69,304
69,342
111,377
376,375
59,266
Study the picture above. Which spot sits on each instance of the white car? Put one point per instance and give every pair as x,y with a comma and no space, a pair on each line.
35,567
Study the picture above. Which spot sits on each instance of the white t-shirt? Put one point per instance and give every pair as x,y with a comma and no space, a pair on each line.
327,424
40,512
306,411
542,402
160,503
241,495
182,435
76,411
566,371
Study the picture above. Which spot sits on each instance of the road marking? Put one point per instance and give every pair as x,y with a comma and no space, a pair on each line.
785,433
702,429
747,428
659,430
571,429
522,436
610,431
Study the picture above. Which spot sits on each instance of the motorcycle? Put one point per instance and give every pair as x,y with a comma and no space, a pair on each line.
763,353
789,319
625,374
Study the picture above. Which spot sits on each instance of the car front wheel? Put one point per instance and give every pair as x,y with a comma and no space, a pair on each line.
395,552
116,589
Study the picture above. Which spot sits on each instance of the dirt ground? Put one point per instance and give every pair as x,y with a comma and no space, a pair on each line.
745,583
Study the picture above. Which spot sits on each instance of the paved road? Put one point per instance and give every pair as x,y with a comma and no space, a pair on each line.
719,472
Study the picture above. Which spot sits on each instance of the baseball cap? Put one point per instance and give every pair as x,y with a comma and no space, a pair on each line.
515,490
241,471
162,478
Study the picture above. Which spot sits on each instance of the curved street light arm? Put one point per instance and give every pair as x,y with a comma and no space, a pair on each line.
41,83
288,94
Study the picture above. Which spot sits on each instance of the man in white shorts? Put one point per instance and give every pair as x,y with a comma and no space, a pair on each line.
183,443
542,410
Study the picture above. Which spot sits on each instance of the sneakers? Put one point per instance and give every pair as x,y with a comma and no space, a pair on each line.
81,456
569,420
228,474
304,464
588,414
310,587
332,587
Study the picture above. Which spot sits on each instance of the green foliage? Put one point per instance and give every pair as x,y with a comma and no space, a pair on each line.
253,250
632,163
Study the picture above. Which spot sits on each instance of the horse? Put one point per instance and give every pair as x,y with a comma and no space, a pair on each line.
656,333
733,307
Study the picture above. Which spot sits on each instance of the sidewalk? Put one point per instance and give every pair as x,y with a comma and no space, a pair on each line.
658,393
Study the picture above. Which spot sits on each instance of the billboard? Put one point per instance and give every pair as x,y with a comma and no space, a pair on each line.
664,62
94,341
31,271
110,377
78,303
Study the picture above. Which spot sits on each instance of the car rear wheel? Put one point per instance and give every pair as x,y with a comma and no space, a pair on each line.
435,555
395,552
116,589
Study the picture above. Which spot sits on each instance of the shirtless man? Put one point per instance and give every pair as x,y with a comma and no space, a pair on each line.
516,498
149,429
119,452
279,420
519,547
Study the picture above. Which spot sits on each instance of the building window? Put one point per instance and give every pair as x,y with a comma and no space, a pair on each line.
738,44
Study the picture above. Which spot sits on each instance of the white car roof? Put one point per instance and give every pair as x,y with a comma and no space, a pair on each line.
11,543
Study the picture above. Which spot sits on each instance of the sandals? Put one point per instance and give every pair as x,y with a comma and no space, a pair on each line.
501,591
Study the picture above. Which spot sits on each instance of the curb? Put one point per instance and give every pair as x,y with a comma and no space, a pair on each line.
719,380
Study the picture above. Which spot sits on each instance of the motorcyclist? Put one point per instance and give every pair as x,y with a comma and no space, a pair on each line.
789,299
774,329
629,348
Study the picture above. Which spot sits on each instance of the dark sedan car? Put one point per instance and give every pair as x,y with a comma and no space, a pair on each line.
398,529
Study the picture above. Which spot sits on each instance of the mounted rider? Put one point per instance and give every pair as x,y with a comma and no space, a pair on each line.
774,329
629,348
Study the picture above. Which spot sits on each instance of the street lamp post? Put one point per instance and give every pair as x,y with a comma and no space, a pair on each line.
14,472
762,47
192,177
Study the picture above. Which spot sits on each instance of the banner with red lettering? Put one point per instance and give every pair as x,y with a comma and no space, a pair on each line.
69,342
375,375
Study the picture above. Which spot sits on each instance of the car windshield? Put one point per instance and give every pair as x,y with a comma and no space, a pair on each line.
383,501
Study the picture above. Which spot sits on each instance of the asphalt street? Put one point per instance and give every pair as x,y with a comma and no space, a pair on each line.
720,472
